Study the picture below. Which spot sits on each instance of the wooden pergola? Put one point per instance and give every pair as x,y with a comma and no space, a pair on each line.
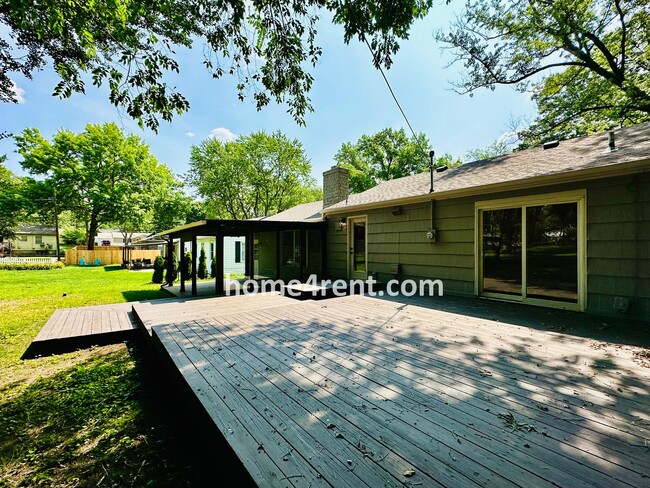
222,228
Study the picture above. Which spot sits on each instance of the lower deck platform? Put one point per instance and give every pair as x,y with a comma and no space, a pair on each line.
360,391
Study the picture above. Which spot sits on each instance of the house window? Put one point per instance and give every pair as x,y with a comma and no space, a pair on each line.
38,239
238,251
291,248
533,250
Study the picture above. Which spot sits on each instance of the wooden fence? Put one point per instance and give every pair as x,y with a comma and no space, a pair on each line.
106,255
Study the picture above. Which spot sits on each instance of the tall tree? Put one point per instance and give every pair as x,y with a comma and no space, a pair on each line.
586,61
383,156
131,45
12,203
253,176
103,176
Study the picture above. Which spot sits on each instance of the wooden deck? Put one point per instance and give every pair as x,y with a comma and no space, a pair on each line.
72,328
361,391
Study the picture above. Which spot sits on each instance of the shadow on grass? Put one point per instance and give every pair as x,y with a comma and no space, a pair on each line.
140,295
103,421
113,267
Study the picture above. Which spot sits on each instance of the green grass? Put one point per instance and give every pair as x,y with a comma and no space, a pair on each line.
86,418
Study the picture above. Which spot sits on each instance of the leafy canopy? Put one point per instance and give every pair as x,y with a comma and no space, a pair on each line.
101,175
131,45
587,62
12,204
383,156
253,176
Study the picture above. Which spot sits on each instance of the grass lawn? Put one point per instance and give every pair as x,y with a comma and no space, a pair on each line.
91,417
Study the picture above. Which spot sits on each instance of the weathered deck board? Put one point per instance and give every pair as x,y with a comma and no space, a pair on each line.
358,391
72,328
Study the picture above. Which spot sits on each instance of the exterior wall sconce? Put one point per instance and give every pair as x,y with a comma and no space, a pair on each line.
342,223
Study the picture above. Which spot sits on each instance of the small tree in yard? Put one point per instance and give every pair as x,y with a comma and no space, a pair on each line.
186,268
171,279
213,268
158,270
203,264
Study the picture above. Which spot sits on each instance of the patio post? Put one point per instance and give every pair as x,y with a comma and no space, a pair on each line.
181,252
303,253
170,261
218,288
194,251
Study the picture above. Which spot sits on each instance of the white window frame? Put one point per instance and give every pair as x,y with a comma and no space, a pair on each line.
580,198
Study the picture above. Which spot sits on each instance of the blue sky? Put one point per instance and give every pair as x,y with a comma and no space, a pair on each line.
349,97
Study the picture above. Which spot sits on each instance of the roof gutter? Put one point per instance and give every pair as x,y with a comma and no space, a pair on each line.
622,169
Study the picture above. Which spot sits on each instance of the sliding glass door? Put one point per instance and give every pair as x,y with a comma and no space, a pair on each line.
532,250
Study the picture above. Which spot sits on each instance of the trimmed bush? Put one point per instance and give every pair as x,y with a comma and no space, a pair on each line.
186,268
213,268
158,270
175,272
202,272
28,266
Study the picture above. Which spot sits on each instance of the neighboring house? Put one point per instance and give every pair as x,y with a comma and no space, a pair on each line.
116,238
34,240
565,226
234,253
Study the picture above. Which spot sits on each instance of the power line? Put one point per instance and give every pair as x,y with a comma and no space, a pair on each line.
378,66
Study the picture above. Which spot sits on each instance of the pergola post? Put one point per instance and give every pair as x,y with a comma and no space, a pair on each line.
278,255
194,251
218,288
170,261
250,251
303,253
181,251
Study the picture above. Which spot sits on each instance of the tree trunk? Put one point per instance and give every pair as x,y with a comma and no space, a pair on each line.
92,232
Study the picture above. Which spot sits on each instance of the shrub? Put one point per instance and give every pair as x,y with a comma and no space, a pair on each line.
186,267
202,272
213,268
158,270
32,266
73,236
174,276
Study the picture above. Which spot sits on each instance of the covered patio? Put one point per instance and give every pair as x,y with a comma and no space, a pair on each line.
275,249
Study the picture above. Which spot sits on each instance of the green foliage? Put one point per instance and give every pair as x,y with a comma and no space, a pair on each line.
384,156
497,148
131,46
213,267
186,266
31,266
253,176
12,202
174,277
158,269
586,61
101,175
202,272
73,236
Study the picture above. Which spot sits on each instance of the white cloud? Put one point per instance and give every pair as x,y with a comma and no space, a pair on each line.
190,134
222,134
18,92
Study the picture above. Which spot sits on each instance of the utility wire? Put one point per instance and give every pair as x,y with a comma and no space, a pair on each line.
390,89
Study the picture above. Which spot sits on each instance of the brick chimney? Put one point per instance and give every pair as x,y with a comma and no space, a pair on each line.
335,185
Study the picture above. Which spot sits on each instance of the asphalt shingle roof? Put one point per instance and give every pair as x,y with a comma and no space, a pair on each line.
569,156
299,213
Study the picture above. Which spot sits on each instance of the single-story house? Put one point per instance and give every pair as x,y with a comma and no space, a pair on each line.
33,240
564,225
109,237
